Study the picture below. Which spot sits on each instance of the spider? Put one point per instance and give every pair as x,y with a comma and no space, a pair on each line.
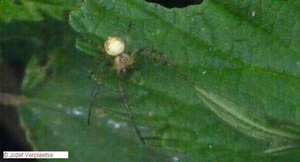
115,47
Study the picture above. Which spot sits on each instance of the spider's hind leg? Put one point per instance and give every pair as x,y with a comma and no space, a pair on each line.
128,109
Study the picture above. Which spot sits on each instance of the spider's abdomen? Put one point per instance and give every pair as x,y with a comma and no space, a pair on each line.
114,46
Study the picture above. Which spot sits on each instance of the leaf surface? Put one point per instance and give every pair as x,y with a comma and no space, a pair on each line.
229,56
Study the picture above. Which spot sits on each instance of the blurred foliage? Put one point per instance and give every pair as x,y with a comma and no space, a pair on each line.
34,10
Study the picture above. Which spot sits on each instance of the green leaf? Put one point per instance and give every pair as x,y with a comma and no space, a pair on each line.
34,10
221,82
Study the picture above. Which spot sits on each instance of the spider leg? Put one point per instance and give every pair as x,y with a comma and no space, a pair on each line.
101,49
135,54
160,58
129,110
100,78
128,34
163,59
153,55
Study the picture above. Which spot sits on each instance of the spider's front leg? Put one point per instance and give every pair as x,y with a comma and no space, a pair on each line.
153,55
160,59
